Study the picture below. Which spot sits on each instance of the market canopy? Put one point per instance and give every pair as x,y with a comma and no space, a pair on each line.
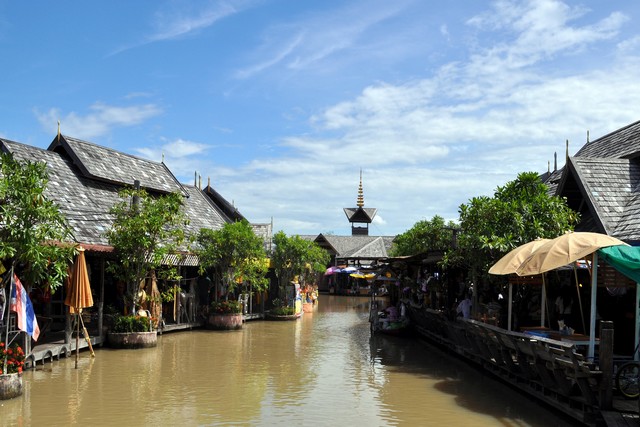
625,259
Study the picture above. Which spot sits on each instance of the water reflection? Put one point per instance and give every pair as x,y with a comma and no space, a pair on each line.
323,369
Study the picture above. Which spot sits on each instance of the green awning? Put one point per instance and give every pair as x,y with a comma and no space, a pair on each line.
625,259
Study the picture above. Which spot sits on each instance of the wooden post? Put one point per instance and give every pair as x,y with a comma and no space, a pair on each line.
606,364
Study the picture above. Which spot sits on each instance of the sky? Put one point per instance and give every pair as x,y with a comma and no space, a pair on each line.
282,104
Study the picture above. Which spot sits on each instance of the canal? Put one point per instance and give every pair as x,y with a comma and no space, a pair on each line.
323,369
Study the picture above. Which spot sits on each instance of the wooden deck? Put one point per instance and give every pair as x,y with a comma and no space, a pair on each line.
552,371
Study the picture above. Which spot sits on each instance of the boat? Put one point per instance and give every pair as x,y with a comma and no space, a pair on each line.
388,322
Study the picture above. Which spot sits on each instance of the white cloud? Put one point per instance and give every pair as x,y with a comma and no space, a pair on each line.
98,121
429,144
304,44
175,22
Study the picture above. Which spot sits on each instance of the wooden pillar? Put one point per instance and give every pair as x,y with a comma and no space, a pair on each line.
101,302
606,364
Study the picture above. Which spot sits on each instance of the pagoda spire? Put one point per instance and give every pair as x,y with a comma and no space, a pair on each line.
360,202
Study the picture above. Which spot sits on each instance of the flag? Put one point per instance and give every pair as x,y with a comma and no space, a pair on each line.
21,304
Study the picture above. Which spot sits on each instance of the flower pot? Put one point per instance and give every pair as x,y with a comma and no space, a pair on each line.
270,316
10,386
225,321
133,339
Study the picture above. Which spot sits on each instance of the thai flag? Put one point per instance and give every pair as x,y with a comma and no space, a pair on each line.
21,304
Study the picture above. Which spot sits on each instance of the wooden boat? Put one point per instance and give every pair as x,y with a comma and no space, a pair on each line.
399,327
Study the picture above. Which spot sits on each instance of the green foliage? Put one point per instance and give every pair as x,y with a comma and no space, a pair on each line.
519,212
123,324
226,307
294,256
424,236
283,311
235,255
32,226
143,234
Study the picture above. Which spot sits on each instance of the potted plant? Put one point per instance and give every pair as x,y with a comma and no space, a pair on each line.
130,331
11,365
144,232
225,315
281,311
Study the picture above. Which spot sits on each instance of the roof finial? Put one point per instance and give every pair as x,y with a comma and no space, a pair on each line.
58,130
567,154
360,202
163,157
548,167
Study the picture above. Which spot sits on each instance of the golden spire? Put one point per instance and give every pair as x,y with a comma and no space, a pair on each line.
360,202
58,130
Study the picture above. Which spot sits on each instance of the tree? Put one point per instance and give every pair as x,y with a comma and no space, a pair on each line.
519,212
425,236
34,234
293,256
235,254
145,230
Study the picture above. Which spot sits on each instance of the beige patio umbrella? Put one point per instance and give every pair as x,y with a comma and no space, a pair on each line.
567,249
564,250
79,297
509,263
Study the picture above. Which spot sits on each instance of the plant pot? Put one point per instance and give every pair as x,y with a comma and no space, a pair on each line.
133,339
225,321
270,316
10,386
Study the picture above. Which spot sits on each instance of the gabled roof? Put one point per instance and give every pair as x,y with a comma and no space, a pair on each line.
353,247
364,215
622,143
201,212
602,182
85,202
104,164
223,204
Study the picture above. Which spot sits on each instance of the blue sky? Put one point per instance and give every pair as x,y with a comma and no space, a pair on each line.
282,102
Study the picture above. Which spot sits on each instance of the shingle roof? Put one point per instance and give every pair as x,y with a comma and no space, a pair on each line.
201,212
608,172
120,168
607,184
368,247
86,201
622,143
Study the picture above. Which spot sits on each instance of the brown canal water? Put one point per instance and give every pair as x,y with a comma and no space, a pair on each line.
324,369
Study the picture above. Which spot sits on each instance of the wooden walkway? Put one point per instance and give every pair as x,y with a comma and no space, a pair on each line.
551,371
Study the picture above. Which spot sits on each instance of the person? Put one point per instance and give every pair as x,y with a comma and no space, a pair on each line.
464,307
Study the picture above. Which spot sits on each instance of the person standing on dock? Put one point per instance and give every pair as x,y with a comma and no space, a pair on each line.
464,307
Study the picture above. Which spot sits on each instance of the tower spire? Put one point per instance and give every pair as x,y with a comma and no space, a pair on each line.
360,202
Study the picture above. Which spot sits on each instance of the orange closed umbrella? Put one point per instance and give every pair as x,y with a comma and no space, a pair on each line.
79,296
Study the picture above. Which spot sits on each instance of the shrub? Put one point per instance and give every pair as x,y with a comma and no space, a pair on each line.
283,311
14,356
130,323
226,307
